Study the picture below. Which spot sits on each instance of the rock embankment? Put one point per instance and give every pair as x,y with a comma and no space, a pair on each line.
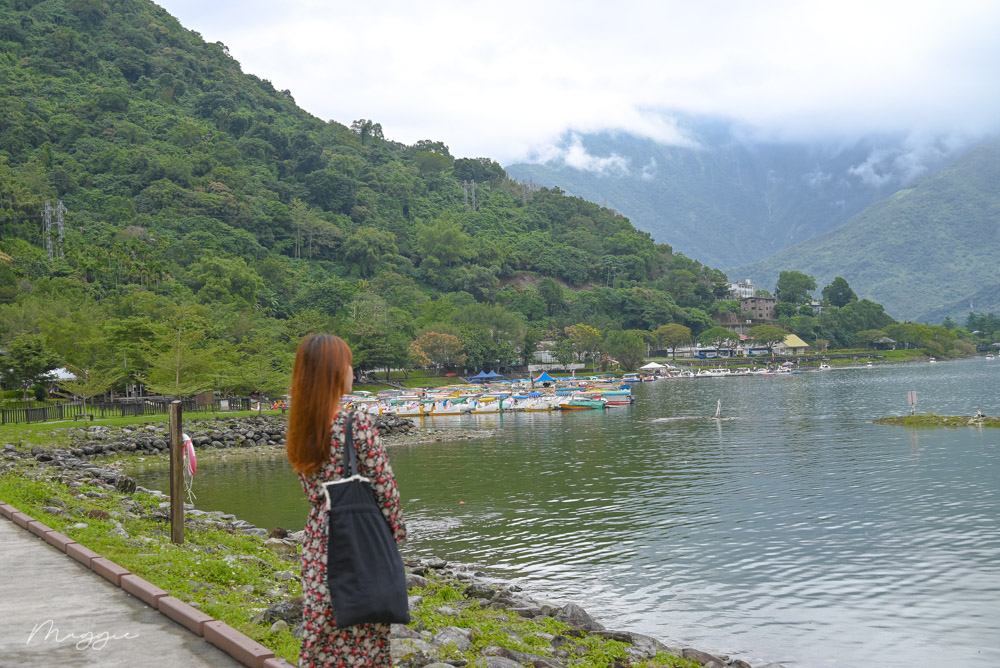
218,433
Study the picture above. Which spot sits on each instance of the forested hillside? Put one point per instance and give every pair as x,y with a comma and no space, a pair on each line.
926,252
210,222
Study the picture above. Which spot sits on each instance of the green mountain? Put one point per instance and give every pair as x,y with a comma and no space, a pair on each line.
194,192
926,252
727,199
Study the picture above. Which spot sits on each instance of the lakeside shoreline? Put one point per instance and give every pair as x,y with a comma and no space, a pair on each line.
102,470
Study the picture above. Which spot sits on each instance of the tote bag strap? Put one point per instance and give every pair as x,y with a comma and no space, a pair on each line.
350,454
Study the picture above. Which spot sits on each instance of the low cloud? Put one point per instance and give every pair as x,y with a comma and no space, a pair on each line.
574,154
816,178
918,155
648,172
494,84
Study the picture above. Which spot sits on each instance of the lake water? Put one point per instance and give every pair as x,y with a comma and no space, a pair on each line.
794,530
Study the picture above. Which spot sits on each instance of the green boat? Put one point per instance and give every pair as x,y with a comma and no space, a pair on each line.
582,404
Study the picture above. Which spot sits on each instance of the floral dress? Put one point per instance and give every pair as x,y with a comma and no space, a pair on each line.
323,644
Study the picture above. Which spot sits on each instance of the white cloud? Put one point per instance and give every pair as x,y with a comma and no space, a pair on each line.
816,178
902,166
505,82
574,154
648,172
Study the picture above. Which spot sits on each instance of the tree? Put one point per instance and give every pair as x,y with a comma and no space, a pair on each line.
90,382
263,365
718,338
786,310
503,325
628,347
314,236
564,351
839,293
869,336
910,334
794,287
369,250
696,319
28,360
441,350
552,294
367,130
768,336
671,336
219,279
376,346
477,169
586,339
804,326
483,350
429,162
444,241
531,338
180,368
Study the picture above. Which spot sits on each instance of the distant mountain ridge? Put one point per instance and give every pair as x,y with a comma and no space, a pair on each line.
926,252
728,201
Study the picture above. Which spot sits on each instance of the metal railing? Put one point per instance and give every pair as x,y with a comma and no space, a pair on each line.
102,409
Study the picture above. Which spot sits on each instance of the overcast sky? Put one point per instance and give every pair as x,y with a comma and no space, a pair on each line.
506,79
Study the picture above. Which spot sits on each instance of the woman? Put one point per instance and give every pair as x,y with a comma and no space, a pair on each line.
315,446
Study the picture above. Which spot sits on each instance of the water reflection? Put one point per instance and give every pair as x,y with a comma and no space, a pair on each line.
797,531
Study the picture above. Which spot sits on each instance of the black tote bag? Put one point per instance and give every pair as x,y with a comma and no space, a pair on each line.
364,570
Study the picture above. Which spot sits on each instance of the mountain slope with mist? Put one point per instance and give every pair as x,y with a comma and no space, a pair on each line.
926,252
728,200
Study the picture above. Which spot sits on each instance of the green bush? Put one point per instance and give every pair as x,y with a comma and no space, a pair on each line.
41,394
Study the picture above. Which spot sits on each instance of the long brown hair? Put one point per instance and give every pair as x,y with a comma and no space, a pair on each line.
322,363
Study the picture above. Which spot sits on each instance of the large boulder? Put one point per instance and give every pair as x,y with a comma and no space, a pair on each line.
453,635
413,653
281,546
577,617
704,658
287,611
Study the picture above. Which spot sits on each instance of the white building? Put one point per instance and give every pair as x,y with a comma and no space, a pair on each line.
742,290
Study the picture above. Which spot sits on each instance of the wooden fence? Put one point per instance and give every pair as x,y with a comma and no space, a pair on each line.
74,411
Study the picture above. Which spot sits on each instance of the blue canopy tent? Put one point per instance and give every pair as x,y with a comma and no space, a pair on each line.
493,375
480,377
544,378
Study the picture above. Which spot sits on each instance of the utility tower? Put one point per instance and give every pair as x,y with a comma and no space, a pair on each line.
467,188
47,228
53,249
60,225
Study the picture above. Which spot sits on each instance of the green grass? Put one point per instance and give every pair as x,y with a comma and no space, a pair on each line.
930,420
902,355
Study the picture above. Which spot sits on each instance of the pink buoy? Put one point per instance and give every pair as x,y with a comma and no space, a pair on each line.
192,461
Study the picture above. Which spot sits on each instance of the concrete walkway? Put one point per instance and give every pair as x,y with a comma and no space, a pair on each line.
54,611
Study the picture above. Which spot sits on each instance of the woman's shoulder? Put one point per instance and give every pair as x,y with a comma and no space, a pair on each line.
356,416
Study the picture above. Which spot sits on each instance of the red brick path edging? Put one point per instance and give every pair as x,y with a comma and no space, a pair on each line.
229,640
